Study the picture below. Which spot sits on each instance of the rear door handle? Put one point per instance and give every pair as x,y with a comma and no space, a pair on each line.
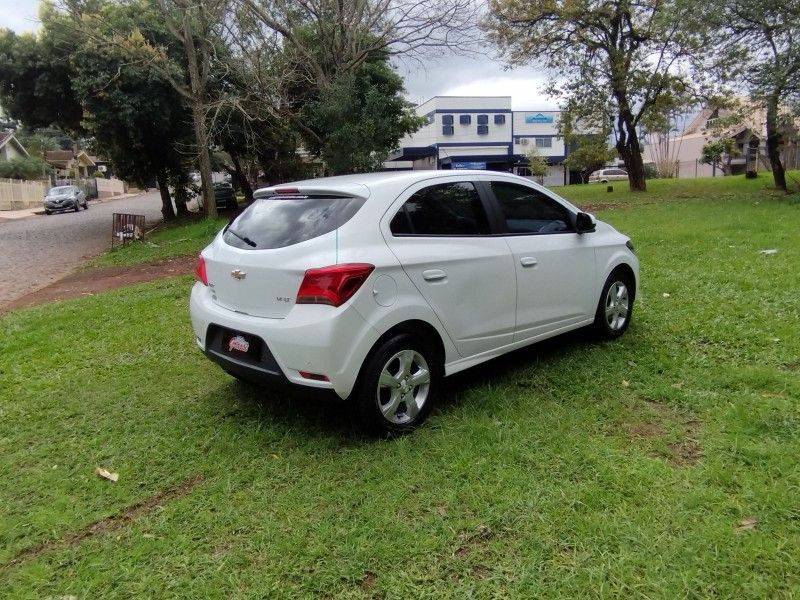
528,261
433,274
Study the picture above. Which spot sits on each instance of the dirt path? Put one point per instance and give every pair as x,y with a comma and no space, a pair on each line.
92,281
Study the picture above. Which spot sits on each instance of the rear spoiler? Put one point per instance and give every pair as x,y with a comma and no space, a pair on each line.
306,190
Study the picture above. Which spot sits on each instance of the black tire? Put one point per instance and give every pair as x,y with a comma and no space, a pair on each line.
86,205
77,206
374,402
609,321
48,212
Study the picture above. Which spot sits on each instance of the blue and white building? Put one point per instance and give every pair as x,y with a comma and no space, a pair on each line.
481,132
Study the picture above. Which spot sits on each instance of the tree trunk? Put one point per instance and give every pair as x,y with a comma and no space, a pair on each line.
198,86
241,179
181,197
204,161
630,152
166,202
774,140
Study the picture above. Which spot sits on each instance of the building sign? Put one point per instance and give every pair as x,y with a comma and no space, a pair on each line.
538,118
468,165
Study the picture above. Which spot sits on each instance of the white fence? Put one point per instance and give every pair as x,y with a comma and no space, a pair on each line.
16,194
106,188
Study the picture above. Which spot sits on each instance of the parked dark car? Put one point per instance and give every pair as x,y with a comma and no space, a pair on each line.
224,195
65,197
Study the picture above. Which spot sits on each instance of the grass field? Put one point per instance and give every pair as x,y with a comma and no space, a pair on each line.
662,465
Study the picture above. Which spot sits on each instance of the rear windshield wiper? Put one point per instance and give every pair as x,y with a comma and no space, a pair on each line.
244,238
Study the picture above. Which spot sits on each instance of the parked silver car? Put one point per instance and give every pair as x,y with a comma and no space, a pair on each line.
606,175
64,197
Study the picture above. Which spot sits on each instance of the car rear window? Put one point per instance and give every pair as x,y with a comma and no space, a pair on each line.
280,221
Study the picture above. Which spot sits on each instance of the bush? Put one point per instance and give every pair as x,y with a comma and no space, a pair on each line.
24,168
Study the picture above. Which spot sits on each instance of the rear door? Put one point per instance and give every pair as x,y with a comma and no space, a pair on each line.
441,235
555,266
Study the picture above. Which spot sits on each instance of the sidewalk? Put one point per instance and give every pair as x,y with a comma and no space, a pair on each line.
12,215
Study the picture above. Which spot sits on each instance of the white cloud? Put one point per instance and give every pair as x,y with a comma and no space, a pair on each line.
485,76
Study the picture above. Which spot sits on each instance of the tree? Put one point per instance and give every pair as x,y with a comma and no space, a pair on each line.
537,164
36,82
359,118
719,153
757,44
615,61
184,60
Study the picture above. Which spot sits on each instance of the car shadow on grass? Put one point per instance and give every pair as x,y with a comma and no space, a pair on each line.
326,417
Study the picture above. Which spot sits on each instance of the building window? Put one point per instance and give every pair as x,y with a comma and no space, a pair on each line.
447,130
465,119
483,119
483,129
499,119
447,119
544,142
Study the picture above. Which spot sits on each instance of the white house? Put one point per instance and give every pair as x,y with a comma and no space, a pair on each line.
10,147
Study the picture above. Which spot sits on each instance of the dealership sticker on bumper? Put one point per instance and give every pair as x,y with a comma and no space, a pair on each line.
238,343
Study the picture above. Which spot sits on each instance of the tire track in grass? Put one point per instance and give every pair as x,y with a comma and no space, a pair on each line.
106,525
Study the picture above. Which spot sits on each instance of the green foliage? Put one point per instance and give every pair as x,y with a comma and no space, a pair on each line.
24,168
41,140
587,153
36,81
360,118
719,153
537,164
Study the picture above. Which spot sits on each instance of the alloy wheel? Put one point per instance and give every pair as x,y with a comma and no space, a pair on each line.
403,386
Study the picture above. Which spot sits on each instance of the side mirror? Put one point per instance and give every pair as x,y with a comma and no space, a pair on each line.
585,223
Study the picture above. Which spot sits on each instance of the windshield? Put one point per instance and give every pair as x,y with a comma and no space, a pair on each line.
63,189
277,222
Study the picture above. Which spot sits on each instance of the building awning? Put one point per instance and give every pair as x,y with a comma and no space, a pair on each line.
413,152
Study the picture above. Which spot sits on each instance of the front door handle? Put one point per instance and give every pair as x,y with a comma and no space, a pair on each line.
433,274
528,261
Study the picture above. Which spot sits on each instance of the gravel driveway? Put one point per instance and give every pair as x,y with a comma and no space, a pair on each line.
37,250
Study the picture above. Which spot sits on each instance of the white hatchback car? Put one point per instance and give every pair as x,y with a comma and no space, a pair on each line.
376,286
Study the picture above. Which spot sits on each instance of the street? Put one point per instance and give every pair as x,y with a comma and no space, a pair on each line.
37,250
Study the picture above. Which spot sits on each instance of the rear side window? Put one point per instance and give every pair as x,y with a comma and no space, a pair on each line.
444,209
528,211
280,221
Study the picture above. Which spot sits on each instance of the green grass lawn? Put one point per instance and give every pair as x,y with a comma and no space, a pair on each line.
662,465
164,242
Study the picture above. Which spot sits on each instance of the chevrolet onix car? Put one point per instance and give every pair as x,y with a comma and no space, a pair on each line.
377,286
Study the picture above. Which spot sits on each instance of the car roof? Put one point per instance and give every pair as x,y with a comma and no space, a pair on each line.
379,179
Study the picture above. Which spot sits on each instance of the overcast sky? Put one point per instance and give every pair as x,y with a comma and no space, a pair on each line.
449,76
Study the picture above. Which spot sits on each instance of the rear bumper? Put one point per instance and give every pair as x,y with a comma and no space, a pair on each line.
312,338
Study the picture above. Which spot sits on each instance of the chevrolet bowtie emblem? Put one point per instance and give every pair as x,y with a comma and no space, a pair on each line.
237,274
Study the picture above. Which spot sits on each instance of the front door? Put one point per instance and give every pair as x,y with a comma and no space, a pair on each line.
555,266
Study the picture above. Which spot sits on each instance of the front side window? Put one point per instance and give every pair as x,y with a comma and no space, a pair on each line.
443,209
529,211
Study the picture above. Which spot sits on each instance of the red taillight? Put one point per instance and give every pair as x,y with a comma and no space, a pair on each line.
332,285
288,190
200,270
